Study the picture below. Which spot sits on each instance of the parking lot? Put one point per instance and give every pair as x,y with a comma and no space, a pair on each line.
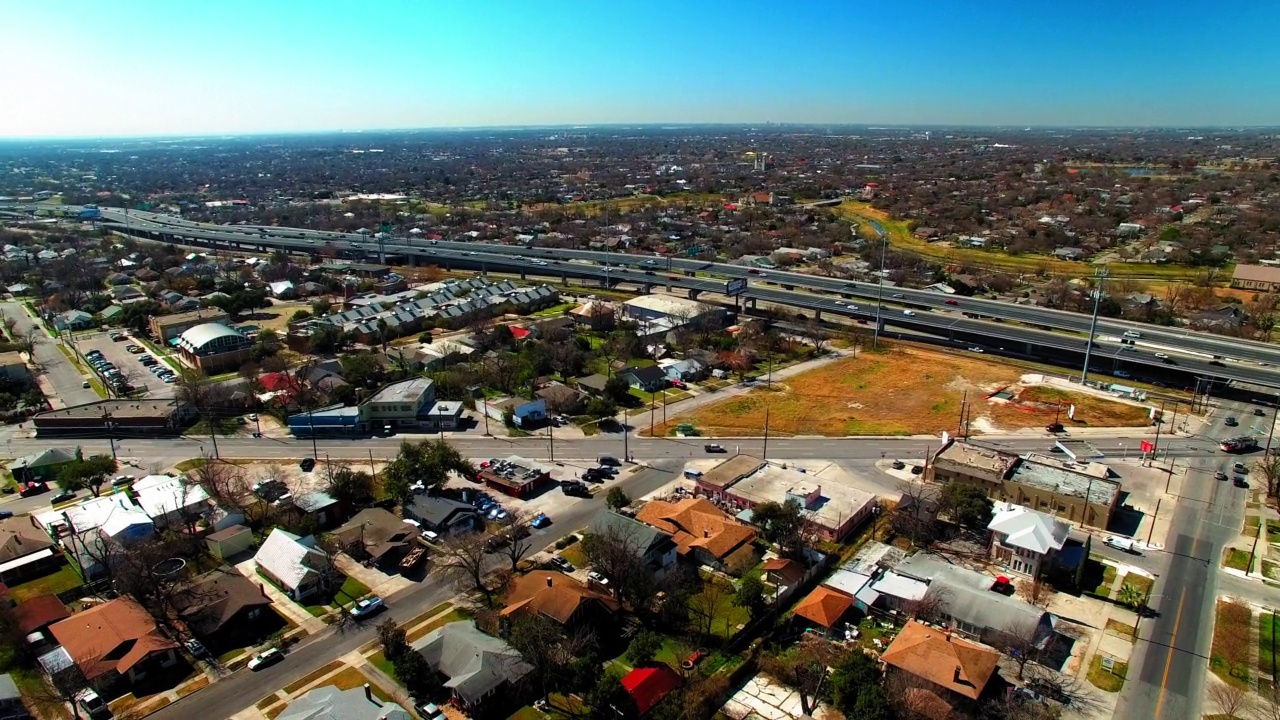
129,364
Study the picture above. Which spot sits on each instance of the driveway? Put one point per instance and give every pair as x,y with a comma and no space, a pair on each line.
60,373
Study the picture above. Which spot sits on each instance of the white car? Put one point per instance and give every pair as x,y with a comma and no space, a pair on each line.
909,313
367,607
975,349
266,658
597,578
840,303
1161,356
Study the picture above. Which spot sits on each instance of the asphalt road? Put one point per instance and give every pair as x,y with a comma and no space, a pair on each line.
59,371
303,239
1166,678
244,688
170,450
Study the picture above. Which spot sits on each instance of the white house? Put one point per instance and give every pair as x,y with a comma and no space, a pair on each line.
1022,539
171,500
292,563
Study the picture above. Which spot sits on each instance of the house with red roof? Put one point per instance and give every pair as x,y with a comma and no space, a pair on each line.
824,607
647,686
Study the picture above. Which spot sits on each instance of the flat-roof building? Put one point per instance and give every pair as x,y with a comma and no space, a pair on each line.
127,418
167,327
515,476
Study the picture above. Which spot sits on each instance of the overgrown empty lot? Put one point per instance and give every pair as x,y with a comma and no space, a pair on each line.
904,391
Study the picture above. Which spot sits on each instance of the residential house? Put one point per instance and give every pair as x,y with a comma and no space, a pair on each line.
112,313
36,614
1023,540
704,534
442,515
175,502
319,508
116,641
561,599
43,465
26,551
946,672
1226,315
561,399
647,686
1069,253
650,378
73,320
225,609
656,548
824,608
595,314
690,370
13,367
1262,278
293,564
479,670
593,384
377,536
11,704
283,290
329,703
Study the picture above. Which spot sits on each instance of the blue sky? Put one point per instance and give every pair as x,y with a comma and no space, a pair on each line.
111,67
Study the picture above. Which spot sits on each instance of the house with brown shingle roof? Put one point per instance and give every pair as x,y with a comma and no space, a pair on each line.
116,640
954,670
558,597
824,607
704,534
25,550
222,606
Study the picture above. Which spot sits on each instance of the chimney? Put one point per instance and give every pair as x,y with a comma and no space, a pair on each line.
549,580
957,677
368,691
706,533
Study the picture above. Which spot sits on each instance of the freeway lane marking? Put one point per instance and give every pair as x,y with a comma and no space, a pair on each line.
1164,680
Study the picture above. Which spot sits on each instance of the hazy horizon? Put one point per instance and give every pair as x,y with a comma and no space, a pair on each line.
111,69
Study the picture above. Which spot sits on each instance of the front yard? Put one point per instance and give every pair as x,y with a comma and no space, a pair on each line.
66,578
346,594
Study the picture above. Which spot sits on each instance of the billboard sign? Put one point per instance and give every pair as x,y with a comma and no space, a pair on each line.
735,287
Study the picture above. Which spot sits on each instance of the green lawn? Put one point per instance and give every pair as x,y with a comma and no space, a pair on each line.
1266,650
1236,559
575,554
1111,681
381,662
350,591
1108,579
727,616
64,579
1142,582
555,310
453,616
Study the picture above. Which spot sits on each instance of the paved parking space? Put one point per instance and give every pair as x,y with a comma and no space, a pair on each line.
137,374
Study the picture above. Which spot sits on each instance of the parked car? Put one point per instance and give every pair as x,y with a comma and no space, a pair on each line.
1054,427
195,647
576,489
1240,468
33,488
561,564
1240,482
92,703
597,578
1230,421
307,464
121,480
6,514
1259,412
266,658
1121,543
368,607
428,711
62,497
609,460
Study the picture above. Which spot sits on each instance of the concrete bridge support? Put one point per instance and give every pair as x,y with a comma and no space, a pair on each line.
693,294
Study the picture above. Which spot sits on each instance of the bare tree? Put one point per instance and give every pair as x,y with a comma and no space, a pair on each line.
225,483
463,557
711,603
1268,467
1268,705
615,551
546,647
816,335
914,514
805,668
519,540
1230,698
1037,593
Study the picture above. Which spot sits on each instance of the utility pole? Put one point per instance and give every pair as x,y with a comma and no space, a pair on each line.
311,420
764,452
1101,275
1274,410
373,470
653,411
486,415
884,248
964,399
106,421
1155,448
551,438
1154,516
626,453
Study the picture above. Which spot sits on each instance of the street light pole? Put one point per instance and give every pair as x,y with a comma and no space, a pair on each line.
884,249
1101,275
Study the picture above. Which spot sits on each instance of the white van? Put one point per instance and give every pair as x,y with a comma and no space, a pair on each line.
1121,543
1132,334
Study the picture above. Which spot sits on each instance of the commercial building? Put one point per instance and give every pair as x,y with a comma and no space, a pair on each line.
1077,490
213,348
660,314
119,418
515,476
165,328
832,510
408,405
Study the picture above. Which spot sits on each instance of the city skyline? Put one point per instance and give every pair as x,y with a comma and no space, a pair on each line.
142,69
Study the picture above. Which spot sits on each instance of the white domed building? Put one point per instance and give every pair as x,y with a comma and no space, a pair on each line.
214,348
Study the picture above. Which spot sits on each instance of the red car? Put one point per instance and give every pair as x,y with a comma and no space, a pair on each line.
953,302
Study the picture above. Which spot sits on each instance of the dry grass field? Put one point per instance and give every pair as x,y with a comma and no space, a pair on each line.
905,391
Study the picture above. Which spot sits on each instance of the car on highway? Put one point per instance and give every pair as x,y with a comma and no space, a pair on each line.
266,658
953,302
367,607
714,448
1122,374
975,349
539,521
1132,334
840,303
1240,468
1161,356
909,313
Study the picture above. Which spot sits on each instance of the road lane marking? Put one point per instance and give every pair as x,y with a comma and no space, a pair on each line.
1164,680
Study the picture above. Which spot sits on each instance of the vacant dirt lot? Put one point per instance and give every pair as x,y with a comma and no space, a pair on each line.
906,391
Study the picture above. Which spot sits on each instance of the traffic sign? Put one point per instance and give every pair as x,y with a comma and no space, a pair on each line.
1148,446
